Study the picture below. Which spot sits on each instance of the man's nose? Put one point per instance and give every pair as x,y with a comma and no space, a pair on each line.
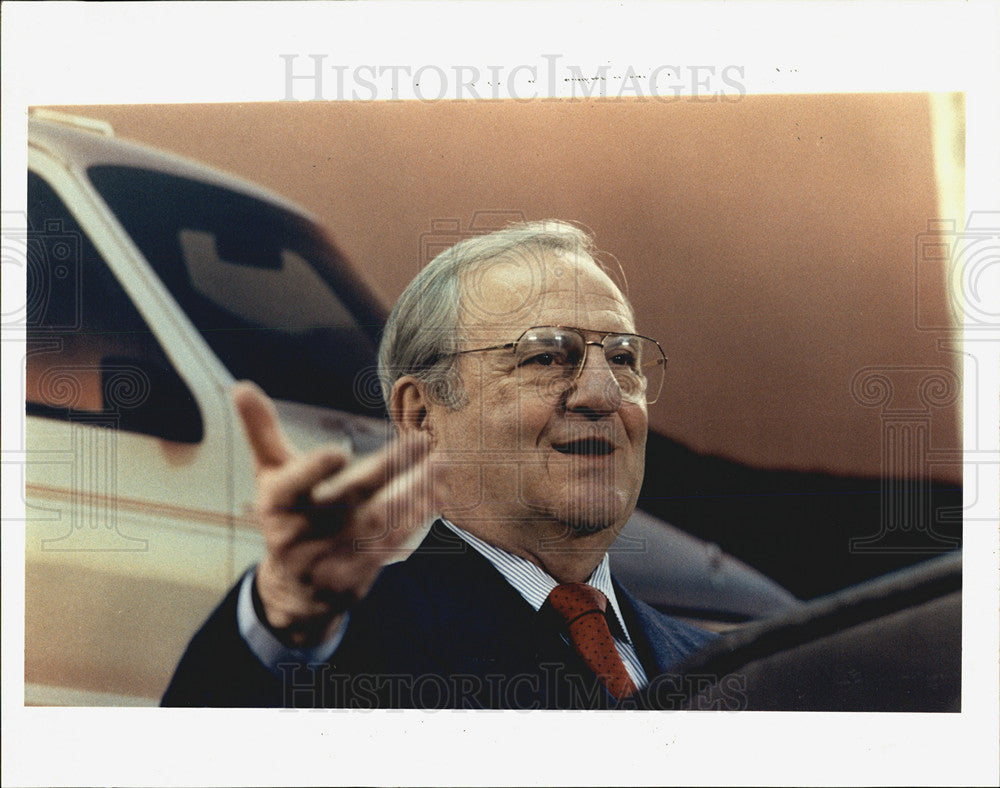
595,389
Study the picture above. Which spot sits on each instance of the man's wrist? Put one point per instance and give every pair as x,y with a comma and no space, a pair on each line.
297,633
263,641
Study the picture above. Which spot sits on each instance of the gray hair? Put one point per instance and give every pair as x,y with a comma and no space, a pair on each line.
424,329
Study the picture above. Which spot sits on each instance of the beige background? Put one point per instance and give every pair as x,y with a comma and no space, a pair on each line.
769,243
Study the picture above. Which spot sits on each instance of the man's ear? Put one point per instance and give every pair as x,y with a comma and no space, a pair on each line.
408,405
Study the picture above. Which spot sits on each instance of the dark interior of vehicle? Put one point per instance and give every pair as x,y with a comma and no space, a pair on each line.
893,644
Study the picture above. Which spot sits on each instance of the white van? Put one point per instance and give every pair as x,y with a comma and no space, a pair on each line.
153,283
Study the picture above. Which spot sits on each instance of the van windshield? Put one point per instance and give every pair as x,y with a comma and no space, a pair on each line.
270,294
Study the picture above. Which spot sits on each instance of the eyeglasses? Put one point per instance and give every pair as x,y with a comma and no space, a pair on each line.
552,357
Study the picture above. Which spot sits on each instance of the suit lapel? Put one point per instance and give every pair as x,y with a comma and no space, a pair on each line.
483,623
659,640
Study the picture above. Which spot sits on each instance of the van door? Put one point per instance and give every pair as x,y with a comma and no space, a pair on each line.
128,472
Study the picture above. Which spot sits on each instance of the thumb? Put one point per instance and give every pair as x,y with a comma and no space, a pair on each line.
260,423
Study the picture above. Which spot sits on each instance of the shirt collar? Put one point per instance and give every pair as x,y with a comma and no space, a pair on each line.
534,583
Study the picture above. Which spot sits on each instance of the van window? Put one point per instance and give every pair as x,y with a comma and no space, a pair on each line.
90,355
271,296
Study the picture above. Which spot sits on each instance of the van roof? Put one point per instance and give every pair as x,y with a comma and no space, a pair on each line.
80,143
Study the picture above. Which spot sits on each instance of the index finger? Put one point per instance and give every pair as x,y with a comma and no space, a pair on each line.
260,423
370,474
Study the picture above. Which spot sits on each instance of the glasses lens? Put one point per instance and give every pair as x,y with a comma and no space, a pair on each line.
549,349
637,364
552,357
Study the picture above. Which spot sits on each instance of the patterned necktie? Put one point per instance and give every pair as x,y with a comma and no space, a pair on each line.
583,607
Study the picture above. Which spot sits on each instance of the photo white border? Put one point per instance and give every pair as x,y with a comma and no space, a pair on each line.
67,53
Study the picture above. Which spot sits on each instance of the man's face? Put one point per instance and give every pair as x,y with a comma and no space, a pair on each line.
513,464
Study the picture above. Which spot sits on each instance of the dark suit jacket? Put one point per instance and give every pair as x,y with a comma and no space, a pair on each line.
442,629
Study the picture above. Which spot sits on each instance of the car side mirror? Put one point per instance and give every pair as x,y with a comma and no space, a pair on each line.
147,397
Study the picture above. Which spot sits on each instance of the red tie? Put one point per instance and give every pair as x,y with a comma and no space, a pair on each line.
583,607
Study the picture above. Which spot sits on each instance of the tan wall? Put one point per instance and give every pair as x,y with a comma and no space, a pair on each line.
768,243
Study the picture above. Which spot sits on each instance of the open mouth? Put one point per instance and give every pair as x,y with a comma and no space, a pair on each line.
590,447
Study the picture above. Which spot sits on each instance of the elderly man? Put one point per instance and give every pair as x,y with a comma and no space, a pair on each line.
512,373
